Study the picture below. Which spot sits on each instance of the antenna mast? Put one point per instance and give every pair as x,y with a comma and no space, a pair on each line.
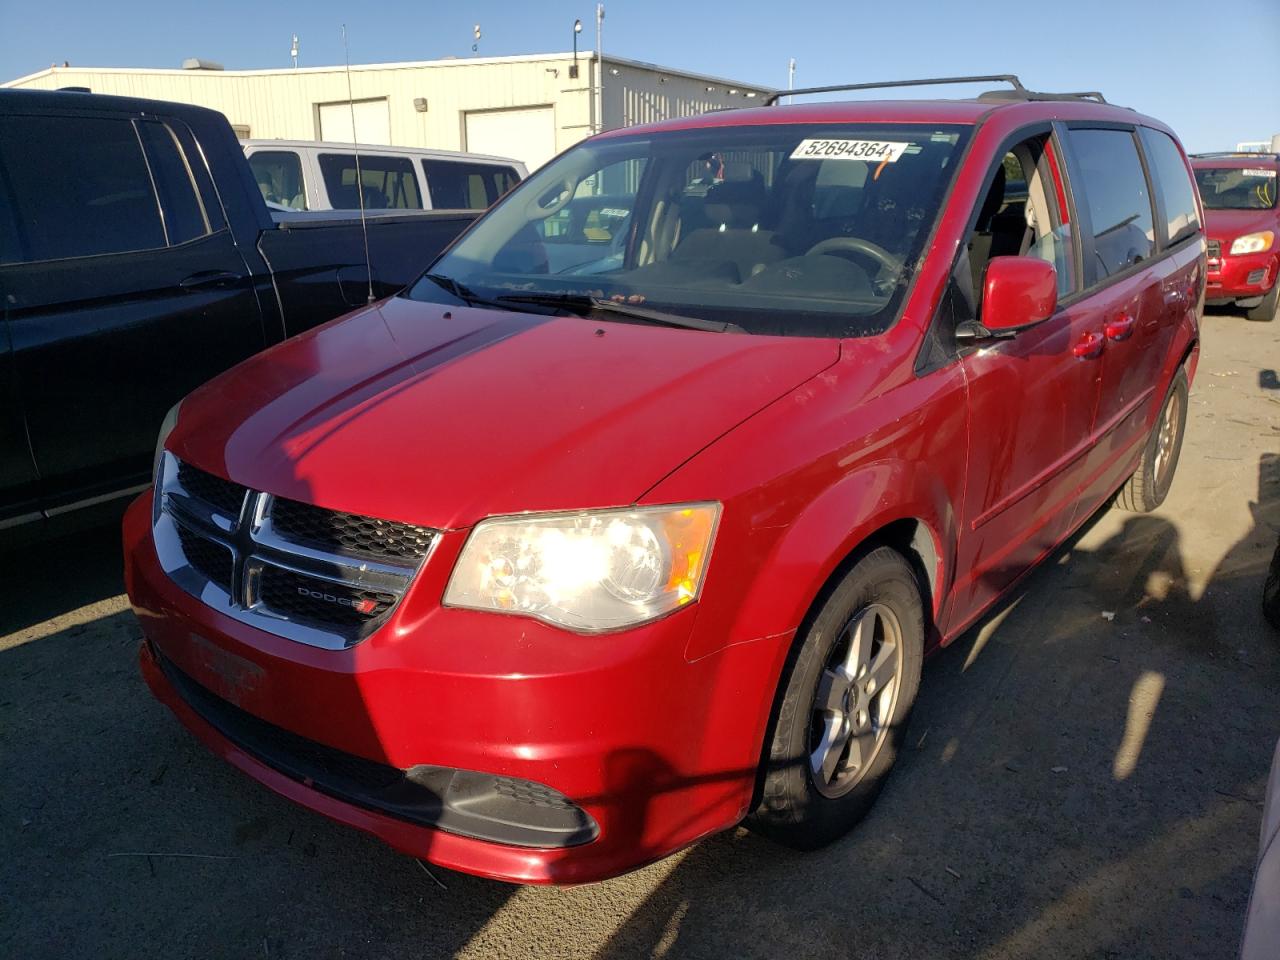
355,142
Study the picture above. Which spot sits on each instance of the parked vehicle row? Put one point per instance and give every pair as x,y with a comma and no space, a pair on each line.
137,260
637,514
303,175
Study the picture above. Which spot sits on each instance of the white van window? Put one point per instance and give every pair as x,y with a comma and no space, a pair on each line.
388,183
466,186
279,176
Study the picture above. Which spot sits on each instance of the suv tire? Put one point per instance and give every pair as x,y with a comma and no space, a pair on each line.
862,655
1149,485
1269,307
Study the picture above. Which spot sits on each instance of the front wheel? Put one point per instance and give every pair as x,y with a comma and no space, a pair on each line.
1269,306
844,704
1150,483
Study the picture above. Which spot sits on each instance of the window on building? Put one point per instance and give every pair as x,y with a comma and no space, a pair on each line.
279,176
1115,191
466,186
1177,195
78,187
388,183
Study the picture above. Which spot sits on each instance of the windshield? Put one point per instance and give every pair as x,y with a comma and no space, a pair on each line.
800,229
1237,188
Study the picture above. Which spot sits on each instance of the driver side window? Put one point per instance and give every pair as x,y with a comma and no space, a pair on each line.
1023,214
592,223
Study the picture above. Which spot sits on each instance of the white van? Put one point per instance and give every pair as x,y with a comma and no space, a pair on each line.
312,175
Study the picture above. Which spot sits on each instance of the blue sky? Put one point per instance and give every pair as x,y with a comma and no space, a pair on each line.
1210,71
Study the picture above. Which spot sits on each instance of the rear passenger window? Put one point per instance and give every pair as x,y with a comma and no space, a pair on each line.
1173,183
279,177
388,183
78,187
184,215
1115,192
455,185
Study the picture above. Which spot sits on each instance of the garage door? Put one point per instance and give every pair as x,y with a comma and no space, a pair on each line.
373,122
527,134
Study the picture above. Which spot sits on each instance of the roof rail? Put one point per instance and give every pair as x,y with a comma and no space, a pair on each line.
1008,78
1229,154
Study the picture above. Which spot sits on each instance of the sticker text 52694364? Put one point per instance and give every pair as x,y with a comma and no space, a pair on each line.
871,151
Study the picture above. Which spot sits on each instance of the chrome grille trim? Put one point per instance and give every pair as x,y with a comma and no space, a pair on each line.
255,547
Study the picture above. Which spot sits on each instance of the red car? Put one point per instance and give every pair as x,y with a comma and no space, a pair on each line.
639,512
1242,222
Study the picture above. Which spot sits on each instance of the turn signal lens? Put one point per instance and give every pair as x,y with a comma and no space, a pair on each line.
589,572
1253,243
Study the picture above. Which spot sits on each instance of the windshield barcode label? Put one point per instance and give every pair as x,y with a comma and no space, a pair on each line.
871,151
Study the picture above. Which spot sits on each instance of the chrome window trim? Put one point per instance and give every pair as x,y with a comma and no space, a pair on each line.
254,546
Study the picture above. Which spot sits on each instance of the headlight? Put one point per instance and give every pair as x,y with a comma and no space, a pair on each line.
1253,243
593,571
166,428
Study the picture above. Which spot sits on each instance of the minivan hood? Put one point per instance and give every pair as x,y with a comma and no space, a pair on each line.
411,411
1226,225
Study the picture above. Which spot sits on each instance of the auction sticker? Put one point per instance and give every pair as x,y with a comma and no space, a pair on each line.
873,151
1248,172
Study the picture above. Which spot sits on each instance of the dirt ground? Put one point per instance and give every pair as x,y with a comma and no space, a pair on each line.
1084,774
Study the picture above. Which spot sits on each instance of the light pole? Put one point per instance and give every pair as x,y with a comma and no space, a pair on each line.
293,51
577,29
599,69
791,76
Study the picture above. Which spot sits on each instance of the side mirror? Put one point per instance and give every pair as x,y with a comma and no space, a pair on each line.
1018,292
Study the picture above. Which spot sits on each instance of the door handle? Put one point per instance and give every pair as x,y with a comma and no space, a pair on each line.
209,278
1120,328
1089,345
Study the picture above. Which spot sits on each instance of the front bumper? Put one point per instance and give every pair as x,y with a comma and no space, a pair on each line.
1240,277
654,751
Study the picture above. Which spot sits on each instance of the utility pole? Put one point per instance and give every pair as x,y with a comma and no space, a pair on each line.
599,98
791,76
293,51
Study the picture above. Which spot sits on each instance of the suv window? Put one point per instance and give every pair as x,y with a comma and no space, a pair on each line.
1115,191
1173,183
184,214
388,182
279,176
79,187
466,186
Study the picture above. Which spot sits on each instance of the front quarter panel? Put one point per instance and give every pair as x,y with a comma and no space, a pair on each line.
812,476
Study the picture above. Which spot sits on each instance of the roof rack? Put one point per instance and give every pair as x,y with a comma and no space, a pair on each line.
1019,92
1009,78
1241,154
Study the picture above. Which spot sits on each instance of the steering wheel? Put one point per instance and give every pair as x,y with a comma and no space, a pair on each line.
539,211
837,245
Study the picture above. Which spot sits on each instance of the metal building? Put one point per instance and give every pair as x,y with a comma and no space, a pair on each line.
527,107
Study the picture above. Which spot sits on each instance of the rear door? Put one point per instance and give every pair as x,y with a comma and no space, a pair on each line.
126,291
1133,288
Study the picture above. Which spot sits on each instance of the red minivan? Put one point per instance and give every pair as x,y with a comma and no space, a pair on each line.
1242,223
638,514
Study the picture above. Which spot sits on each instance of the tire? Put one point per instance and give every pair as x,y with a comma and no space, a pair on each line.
879,602
1150,483
1271,591
1269,307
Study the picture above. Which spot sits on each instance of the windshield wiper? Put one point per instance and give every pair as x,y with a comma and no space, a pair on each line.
584,304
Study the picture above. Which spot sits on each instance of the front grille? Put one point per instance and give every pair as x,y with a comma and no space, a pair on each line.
300,597
318,576
207,557
1215,249
226,497
471,804
349,533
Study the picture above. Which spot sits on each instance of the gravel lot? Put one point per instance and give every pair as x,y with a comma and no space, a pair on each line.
1084,776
